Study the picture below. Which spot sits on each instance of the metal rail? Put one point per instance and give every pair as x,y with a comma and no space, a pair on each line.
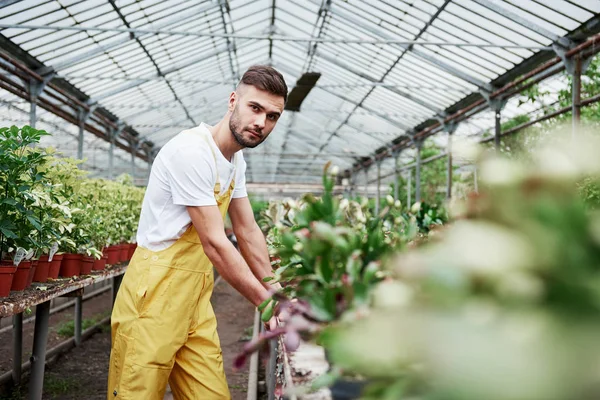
253,373
61,307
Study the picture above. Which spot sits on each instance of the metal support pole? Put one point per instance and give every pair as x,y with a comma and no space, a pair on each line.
575,66
78,315
35,89
80,141
498,130
396,175
272,368
32,111
367,182
150,153
418,144
408,189
111,154
475,185
133,151
449,128
38,358
450,169
378,194
495,105
576,96
82,118
113,134
257,328
17,347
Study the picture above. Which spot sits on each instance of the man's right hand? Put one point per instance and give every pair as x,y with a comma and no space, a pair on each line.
272,324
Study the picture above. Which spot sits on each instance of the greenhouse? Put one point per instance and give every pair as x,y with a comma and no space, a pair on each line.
421,222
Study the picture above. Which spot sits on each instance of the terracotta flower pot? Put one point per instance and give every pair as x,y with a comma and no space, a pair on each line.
100,264
113,254
34,264
132,247
124,252
55,264
71,265
21,276
41,272
7,272
87,264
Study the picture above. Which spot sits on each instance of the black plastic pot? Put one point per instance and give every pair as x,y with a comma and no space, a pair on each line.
345,389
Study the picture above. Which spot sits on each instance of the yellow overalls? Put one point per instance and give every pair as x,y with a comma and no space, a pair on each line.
163,325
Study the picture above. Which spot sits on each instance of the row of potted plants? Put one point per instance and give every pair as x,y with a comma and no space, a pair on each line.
500,303
327,252
53,220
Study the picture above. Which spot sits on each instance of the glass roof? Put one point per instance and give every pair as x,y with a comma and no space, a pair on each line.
387,67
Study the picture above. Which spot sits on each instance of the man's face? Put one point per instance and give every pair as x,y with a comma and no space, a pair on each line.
255,113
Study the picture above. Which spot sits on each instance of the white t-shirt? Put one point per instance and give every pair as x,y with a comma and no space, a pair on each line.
184,174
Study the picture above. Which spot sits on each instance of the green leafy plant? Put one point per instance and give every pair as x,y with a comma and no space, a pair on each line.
19,173
510,288
328,252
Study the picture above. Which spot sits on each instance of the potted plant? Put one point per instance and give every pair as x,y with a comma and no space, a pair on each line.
503,304
330,252
19,173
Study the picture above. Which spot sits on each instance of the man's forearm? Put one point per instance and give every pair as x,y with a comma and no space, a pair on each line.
254,249
234,269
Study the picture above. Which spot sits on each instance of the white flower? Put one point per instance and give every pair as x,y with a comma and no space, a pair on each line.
298,247
501,172
344,203
392,294
485,249
416,207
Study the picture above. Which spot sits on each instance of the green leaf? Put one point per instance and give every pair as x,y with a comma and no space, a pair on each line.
10,201
369,273
262,305
323,268
323,306
288,240
35,222
267,314
8,233
327,379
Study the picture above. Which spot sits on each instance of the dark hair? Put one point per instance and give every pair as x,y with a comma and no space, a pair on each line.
266,78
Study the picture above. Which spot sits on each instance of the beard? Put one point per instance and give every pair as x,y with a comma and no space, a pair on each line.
235,126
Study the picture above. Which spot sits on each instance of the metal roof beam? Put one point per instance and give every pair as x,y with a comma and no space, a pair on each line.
389,40
227,82
286,135
102,49
162,129
272,30
158,71
224,6
399,92
374,112
141,81
312,48
6,3
424,56
495,7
